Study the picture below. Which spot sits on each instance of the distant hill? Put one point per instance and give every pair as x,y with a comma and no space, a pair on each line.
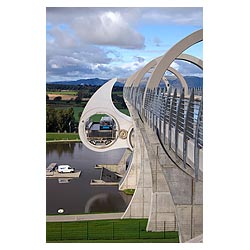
192,81
92,82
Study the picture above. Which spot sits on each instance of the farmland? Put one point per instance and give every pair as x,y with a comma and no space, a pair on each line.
66,103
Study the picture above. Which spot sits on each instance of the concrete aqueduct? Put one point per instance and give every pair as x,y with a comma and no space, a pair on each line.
164,134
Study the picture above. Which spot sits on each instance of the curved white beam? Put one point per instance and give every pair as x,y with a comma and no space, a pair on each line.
181,79
195,60
135,79
130,80
170,56
144,70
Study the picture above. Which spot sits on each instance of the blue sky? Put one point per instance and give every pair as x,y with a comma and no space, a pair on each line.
115,42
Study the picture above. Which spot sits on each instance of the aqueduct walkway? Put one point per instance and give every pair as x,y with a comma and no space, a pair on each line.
165,135
168,166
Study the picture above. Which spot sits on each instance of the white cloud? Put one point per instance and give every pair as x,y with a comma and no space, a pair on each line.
179,16
61,38
100,26
54,66
106,42
187,68
109,28
175,66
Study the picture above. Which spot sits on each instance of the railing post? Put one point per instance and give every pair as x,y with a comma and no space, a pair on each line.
179,116
188,120
159,109
150,107
153,107
146,106
166,113
161,116
171,118
196,138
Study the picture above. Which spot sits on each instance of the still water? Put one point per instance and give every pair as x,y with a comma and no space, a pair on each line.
76,195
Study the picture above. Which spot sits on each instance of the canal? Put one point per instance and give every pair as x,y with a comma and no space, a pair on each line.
76,196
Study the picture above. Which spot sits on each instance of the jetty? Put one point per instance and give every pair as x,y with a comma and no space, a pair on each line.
107,178
51,172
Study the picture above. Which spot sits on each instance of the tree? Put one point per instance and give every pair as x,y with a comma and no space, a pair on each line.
61,119
51,123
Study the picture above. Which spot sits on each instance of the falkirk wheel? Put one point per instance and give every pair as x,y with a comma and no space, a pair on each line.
120,134
167,192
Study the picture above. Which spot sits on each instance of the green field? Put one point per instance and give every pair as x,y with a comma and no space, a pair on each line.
97,117
62,136
74,93
125,111
126,230
78,110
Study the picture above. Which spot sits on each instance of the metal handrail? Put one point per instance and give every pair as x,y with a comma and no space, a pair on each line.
170,108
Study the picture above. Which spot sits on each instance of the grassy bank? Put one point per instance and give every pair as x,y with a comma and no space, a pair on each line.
126,230
62,136
129,191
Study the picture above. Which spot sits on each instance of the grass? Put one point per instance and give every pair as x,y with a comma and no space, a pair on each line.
62,136
74,93
129,191
125,111
174,240
97,117
126,230
77,110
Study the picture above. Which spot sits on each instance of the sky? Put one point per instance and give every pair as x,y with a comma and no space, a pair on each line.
115,42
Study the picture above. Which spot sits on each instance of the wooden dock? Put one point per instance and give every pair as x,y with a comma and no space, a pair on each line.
52,167
102,183
55,174
51,172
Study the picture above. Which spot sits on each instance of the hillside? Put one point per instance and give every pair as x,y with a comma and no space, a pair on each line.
192,81
91,82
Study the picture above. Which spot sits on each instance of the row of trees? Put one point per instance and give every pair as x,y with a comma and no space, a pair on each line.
60,120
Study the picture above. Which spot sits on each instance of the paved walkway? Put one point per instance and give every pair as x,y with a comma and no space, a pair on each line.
82,217
198,239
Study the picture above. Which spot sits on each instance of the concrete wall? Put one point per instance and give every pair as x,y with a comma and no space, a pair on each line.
131,178
152,198
139,206
166,193
187,194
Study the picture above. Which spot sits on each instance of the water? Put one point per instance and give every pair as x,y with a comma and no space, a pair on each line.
76,195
